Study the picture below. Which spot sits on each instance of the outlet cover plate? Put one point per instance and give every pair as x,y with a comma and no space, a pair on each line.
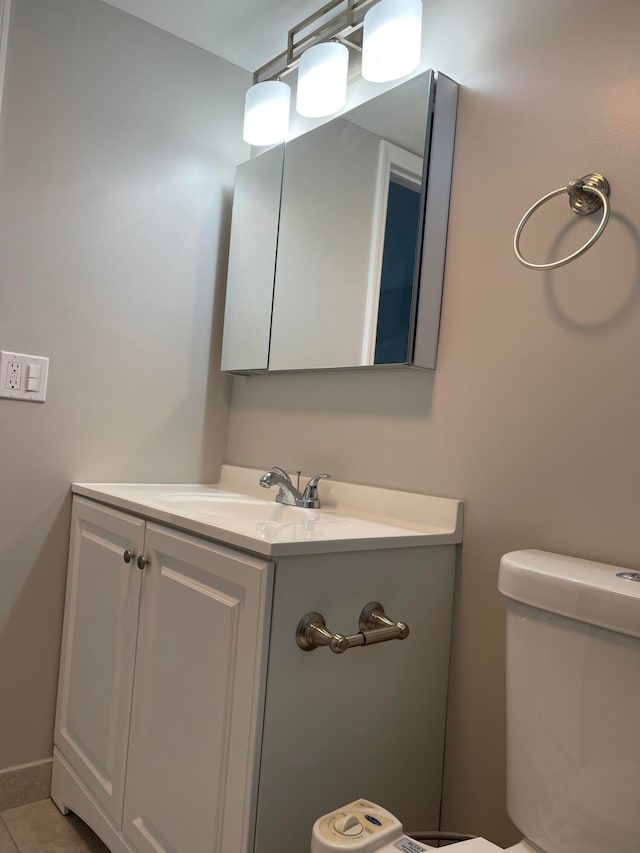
14,376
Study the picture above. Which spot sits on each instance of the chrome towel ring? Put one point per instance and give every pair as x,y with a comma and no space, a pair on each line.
586,195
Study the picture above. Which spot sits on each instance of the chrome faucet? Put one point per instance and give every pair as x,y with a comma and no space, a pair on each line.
287,493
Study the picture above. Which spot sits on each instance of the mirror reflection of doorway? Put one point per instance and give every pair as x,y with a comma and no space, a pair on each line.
398,273
395,245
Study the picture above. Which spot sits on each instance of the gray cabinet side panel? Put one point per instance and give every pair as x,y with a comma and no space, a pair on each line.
367,723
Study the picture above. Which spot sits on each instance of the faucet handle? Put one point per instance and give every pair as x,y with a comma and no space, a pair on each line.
313,482
310,499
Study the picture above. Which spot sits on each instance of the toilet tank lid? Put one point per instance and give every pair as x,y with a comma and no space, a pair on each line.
580,589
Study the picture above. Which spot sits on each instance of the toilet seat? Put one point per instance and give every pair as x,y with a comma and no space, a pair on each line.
478,845
481,845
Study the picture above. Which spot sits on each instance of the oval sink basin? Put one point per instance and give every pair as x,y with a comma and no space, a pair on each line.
233,505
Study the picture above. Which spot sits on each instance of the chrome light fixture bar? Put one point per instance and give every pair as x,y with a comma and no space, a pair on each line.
341,27
318,47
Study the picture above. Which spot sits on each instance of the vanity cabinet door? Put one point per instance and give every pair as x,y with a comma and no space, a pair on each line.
198,697
98,649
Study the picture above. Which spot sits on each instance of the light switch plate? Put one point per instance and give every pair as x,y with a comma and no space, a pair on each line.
15,374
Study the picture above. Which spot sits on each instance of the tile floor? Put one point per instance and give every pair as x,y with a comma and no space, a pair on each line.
40,828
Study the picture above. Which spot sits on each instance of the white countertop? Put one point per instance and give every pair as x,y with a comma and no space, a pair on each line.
238,512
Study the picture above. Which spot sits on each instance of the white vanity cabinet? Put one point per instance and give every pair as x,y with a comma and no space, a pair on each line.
190,721
163,701
98,651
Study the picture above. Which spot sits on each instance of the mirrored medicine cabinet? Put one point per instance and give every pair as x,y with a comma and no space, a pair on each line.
338,239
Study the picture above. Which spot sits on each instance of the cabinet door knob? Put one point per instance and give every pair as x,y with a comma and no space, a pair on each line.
142,562
129,555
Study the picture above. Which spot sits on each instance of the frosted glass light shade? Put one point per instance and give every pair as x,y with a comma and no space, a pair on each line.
322,80
391,39
266,113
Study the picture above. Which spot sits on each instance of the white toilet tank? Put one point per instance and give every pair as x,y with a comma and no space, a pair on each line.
573,703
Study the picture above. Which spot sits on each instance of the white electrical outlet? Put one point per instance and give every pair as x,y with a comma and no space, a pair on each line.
23,377
14,376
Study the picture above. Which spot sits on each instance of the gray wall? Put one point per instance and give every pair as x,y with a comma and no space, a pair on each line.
118,145
533,415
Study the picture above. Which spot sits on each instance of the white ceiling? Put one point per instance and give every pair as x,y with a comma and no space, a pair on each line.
245,32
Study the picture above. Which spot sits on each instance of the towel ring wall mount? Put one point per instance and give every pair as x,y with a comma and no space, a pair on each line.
586,195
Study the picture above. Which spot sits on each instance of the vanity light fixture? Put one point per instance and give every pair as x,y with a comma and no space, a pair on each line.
319,48
322,80
391,40
266,113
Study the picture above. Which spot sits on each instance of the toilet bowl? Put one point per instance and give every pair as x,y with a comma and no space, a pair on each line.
573,705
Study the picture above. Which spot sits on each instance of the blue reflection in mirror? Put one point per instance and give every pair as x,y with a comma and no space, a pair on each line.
398,268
